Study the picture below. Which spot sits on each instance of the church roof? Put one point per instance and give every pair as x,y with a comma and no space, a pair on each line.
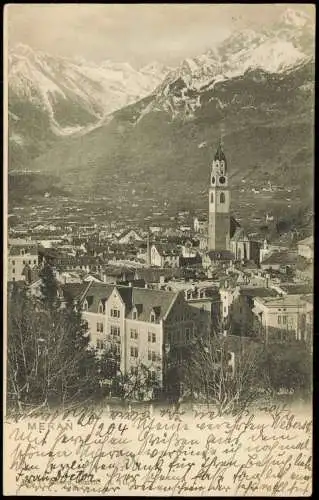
240,235
234,224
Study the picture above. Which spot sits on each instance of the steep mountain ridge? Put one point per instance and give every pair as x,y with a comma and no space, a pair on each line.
51,97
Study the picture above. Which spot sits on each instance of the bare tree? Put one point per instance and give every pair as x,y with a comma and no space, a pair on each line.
136,384
49,359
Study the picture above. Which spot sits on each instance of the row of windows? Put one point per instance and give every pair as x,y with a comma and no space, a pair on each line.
24,262
222,198
114,348
151,355
135,371
151,335
115,313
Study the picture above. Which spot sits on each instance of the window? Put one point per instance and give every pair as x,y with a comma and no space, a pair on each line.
151,337
29,261
187,333
85,324
152,317
101,308
13,262
117,349
222,197
134,334
85,306
151,355
99,344
99,327
115,313
34,262
134,315
284,320
153,376
279,320
212,197
134,352
134,370
13,270
115,330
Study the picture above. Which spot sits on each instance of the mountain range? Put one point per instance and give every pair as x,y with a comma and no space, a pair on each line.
156,128
53,97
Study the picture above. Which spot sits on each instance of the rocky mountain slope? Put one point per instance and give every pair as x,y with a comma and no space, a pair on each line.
51,97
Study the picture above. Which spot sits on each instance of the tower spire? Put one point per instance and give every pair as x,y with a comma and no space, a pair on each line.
220,155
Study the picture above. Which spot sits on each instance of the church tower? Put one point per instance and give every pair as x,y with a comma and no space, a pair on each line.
219,204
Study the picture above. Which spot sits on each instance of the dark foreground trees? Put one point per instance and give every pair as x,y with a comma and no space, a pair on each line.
48,356
139,384
231,373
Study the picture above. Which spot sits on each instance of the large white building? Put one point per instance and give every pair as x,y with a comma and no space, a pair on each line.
21,259
140,325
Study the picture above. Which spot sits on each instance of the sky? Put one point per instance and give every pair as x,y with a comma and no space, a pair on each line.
136,33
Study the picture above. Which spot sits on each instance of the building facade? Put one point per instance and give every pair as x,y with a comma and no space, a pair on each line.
164,256
21,260
140,325
280,319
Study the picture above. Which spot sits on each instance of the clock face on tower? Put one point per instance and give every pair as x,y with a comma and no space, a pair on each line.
222,180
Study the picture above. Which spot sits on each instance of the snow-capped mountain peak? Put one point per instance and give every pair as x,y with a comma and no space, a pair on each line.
279,49
73,93
294,18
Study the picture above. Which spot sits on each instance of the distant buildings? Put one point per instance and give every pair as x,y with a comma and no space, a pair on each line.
129,237
162,255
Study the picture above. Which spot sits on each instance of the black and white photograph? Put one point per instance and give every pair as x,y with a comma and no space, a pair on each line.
158,249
